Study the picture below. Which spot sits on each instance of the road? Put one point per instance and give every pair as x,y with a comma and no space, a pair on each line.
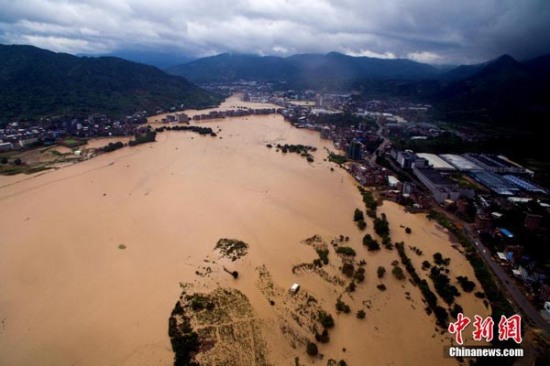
517,296
505,282
381,147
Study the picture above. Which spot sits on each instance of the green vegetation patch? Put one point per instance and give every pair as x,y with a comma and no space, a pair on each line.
466,284
203,131
370,243
203,326
440,313
325,319
370,202
338,159
232,248
381,226
499,303
142,138
323,255
13,169
342,307
359,274
442,285
398,273
359,219
347,251
112,146
72,142
303,150
311,349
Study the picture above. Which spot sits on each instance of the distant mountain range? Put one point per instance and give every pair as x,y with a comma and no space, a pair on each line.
160,59
306,70
502,91
36,82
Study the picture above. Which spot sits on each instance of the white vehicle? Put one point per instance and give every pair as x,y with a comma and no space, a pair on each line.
294,288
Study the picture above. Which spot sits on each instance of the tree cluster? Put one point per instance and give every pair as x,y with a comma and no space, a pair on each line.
112,146
359,219
197,129
369,201
442,285
440,261
342,306
142,138
302,150
381,226
429,296
185,341
370,243
347,251
323,255
466,284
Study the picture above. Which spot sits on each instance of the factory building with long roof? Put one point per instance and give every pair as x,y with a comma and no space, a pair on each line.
495,163
460,163
495,183
441,186
436,162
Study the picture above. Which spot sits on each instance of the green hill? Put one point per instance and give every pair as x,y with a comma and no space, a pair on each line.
504,92
38,83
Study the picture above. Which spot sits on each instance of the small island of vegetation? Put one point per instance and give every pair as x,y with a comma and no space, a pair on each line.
203,131
143,137
303,150
232,248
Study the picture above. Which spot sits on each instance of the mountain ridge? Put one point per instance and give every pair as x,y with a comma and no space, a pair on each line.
39,83
300,68
504,91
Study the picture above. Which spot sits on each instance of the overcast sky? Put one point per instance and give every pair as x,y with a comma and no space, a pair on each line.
433,31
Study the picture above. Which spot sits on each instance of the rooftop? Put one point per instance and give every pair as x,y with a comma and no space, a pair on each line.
506,233
435,161
492,161
524,184
460,162
435,177
408,154
392,180
494,182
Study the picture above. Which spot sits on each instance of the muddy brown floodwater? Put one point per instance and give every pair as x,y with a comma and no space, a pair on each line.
92,255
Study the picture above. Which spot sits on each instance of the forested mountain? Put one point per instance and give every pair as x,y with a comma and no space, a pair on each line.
504,92
36,82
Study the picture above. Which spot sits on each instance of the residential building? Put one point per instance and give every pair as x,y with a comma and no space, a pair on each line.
355,151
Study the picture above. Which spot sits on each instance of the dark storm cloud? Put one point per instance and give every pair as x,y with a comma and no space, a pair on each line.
425,30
